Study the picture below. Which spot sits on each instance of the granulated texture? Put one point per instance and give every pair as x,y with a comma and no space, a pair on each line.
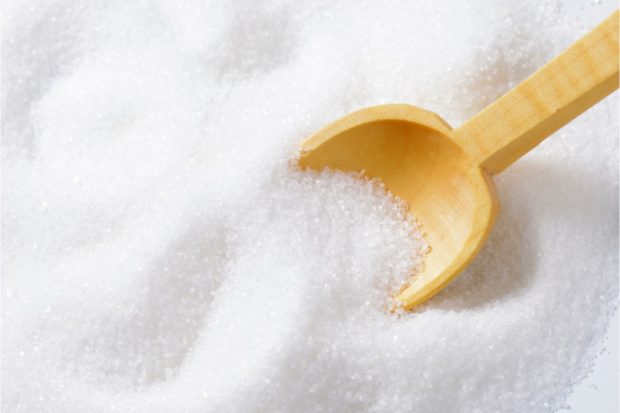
161,254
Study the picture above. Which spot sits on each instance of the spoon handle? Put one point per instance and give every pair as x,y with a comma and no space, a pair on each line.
553,96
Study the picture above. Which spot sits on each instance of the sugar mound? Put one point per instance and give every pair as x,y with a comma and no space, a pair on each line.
160,254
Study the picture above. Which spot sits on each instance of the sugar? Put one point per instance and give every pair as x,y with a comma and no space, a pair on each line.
160,252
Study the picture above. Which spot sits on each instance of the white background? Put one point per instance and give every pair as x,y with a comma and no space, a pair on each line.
599,392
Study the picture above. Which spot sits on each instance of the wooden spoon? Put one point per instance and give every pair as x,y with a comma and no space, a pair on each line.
445,175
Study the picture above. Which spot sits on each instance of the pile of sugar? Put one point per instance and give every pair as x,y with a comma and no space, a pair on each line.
161,255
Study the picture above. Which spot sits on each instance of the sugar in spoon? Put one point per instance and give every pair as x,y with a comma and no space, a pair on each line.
444,175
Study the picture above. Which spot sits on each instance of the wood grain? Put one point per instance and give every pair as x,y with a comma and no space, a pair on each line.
553,96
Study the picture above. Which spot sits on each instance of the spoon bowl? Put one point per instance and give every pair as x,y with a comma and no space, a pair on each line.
412,151
444,175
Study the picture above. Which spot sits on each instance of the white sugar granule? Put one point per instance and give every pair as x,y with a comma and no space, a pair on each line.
160,254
